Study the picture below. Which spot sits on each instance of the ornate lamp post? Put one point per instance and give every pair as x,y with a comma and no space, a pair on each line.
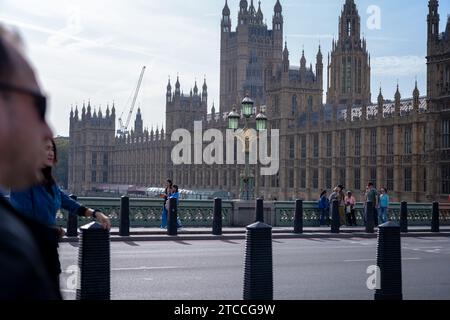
247,185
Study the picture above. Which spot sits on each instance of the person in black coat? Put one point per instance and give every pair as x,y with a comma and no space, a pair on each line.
24,243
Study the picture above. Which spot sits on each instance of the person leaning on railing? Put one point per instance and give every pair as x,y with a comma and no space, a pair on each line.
42,202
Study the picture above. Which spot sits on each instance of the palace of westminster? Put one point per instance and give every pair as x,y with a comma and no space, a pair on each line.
403,145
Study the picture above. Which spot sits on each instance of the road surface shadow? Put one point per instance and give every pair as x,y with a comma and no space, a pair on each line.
183,243
132,243
230,241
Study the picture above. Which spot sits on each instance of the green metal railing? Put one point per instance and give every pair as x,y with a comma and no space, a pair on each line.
418,214
148,212
199,213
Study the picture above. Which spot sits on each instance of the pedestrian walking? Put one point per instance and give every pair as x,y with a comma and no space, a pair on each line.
166,195
324,209
372,196
341,199
384,206
175,194
350,203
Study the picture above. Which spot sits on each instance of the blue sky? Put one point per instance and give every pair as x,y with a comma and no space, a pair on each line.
95,49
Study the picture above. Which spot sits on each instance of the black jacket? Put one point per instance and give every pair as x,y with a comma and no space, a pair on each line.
26,250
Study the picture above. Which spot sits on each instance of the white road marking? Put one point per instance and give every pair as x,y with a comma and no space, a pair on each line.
369,260
143,268
67,291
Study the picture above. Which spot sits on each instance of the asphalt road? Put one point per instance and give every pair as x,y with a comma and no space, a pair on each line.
304,269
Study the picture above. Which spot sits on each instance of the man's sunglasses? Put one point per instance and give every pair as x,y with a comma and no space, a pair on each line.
40,100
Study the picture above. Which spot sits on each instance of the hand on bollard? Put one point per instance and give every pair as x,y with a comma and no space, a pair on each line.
104,221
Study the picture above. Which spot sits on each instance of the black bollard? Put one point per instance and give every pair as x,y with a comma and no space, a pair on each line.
259,210
404,217
298,220
72,223
435,218
370,217
217,219
94,262
335,217
258,274
389,261
172,216
124,230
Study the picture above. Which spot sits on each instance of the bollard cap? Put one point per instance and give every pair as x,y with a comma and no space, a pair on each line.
390,224
258,225
92,226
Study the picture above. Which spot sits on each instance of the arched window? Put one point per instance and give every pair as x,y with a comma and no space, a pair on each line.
294,104
310,103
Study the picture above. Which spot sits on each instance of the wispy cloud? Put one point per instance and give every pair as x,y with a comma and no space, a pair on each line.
398,65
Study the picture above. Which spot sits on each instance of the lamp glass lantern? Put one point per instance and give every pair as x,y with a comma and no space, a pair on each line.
233,120
247,107
261,122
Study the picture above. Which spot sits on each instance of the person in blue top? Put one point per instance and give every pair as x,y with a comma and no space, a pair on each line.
175,194
42,202
166,195
384,206
324,208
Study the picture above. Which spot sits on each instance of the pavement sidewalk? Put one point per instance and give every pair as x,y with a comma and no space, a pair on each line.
191,233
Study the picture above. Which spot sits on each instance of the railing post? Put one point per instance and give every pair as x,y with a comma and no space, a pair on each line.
172,216
124,217
72,222
389,262
335,217
258,271
217,219
298,220
435,218
94,262
259,210
370,217
404,217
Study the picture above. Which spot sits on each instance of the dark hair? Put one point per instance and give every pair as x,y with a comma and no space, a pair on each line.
5,59
170,182
175,187
349,193
385,189
370,184
324,192
49,180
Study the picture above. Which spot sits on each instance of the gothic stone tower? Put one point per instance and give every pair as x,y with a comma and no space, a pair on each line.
438,91
349,68
249,55
92,140
182,110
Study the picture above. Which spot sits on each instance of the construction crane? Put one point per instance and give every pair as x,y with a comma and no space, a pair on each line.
123,128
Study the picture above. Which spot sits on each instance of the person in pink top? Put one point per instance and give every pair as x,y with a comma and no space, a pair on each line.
350,203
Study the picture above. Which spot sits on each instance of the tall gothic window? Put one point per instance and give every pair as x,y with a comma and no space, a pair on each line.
328,178
310,103
291,178
329,139
390,179
343,144
408,140
294,104
446,134
445,176
373,142
358,143
291,148
342,175
357,182
316,145
303,178
373,175
315,180
390,141
303,151
408,179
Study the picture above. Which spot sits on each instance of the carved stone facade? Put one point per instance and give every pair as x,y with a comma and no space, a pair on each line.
403,145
